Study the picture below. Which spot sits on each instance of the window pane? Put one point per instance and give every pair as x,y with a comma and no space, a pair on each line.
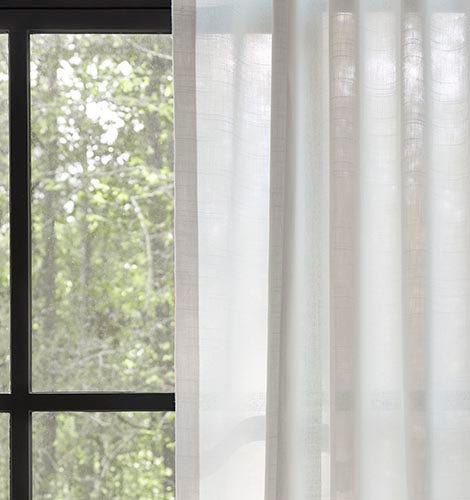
4,221
103,455
4,456
102,210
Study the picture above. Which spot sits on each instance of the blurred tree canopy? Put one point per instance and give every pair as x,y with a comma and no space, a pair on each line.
102,257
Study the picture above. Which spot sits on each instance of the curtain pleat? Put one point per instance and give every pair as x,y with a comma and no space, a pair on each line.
186,252
322,249
344,247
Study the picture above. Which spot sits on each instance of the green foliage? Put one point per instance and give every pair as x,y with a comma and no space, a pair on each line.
97,462
102,230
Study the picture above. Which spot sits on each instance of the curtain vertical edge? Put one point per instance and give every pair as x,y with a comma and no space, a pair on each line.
186,252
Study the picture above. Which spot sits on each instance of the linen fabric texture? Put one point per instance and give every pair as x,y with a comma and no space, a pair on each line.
322,249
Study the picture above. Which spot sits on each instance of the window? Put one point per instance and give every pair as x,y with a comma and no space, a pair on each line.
87,174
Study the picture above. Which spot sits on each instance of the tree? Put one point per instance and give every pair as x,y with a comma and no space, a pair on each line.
102,257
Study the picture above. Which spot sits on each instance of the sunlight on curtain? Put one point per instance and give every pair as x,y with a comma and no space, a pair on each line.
323,197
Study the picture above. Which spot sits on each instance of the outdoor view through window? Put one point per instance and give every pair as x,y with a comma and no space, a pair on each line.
4,267
102,260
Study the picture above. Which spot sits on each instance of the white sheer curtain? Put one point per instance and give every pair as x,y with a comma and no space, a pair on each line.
322,249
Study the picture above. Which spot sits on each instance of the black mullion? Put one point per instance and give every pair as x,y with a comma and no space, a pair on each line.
89,401
20,261
85,4
87,20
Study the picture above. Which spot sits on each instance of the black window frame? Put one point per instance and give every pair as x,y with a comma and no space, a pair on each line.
19,19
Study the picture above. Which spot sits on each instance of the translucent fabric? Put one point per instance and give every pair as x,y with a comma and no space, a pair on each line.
322,249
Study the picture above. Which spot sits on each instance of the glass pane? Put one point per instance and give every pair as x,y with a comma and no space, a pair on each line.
4,221
4,456
102,209
103,456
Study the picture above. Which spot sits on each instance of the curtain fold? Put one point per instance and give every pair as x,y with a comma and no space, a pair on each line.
322,232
